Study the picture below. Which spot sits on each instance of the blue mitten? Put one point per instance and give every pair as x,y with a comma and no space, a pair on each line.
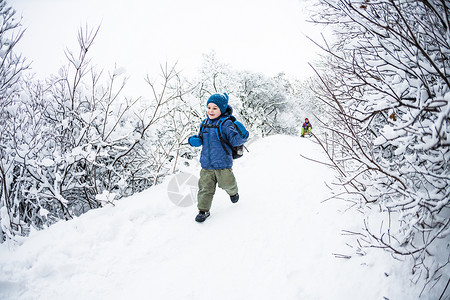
195,141
241,129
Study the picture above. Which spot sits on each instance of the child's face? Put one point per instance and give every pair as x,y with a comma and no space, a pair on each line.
213,111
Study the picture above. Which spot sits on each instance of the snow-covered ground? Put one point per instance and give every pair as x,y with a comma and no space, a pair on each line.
277,242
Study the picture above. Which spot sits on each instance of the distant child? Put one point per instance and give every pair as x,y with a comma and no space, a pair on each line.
216,157
306,127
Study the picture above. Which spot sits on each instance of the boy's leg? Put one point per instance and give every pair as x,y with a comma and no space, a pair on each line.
303,131
227,181
206,189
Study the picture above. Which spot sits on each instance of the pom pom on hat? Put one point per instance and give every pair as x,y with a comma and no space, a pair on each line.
219,99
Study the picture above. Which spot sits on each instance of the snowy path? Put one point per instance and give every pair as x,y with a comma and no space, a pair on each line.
275,243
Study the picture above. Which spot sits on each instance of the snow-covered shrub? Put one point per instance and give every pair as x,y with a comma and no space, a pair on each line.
17,138
74,143
262,101
107,142
388,90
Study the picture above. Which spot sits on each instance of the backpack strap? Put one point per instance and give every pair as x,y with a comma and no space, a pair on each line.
222,140
202,126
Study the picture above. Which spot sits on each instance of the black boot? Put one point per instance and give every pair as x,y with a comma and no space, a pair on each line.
202,215
234,198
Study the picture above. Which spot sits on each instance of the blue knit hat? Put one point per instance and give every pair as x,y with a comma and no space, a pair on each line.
221,100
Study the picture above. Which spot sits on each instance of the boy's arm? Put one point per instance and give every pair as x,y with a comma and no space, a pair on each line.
195,141
232,135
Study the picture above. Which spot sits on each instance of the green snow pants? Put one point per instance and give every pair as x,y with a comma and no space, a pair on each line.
308,131
207,186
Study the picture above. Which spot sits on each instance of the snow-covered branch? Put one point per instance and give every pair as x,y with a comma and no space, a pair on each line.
387,90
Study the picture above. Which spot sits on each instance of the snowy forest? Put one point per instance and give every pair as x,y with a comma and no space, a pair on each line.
379,100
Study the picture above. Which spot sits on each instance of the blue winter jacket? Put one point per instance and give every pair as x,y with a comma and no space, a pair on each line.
213,155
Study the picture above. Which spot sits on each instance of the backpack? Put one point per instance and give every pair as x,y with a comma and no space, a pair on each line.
236,151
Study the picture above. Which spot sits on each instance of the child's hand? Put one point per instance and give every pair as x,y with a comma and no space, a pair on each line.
195,141
241,129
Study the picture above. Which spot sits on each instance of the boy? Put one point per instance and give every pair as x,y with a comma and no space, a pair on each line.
216,157
306,127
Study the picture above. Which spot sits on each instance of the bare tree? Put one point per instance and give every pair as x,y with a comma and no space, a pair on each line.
158,133
387,89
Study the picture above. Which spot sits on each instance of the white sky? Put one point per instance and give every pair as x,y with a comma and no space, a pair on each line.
258,35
